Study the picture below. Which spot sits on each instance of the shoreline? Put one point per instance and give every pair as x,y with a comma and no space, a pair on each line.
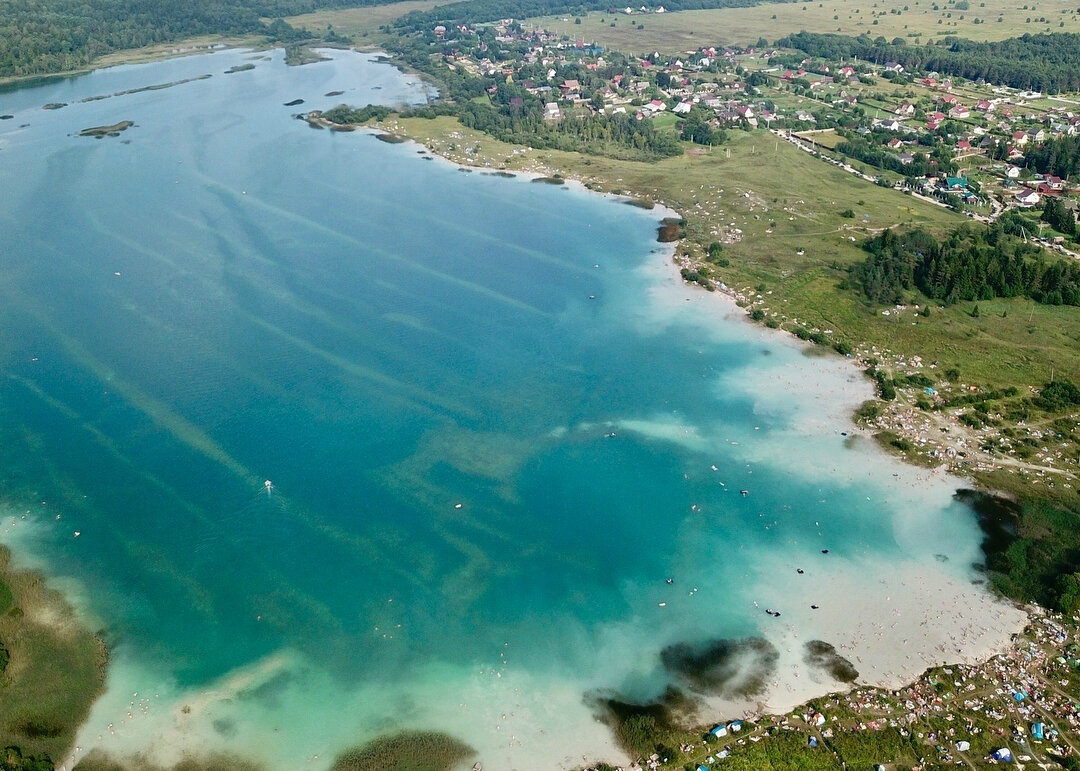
146,55
877,674
731,302
957,452
731,299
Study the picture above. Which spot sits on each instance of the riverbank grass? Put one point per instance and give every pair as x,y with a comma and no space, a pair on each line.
54,670
778,213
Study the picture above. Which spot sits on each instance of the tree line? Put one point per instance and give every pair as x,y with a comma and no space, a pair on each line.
1047,62
45,36
972,263
473,11
1059,156
925,161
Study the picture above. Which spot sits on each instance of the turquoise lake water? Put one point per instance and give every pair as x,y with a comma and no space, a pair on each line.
489,415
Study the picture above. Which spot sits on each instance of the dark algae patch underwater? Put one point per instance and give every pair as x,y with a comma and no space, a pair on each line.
406,751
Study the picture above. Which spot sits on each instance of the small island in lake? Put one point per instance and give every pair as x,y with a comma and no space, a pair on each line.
107,131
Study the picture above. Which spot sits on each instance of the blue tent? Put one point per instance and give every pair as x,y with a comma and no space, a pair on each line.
1037,730
1004,755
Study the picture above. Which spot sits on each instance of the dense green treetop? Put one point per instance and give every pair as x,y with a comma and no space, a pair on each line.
1049,63
971,263
43,36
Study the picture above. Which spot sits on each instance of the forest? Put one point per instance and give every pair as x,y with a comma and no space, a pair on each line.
39,37
43,36
1059,156
972,263
1049,63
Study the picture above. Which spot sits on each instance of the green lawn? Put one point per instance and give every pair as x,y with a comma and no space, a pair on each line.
362,24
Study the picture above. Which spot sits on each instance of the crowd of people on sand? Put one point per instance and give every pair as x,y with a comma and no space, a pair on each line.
1019,698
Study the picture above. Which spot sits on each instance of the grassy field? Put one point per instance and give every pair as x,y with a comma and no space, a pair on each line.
190,47
359,23
916,20
56,668
795,246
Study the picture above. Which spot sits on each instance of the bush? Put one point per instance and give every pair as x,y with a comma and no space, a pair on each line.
758,314
640,733
1059,395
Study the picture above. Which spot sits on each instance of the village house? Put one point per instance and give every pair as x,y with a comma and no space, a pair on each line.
1027,198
